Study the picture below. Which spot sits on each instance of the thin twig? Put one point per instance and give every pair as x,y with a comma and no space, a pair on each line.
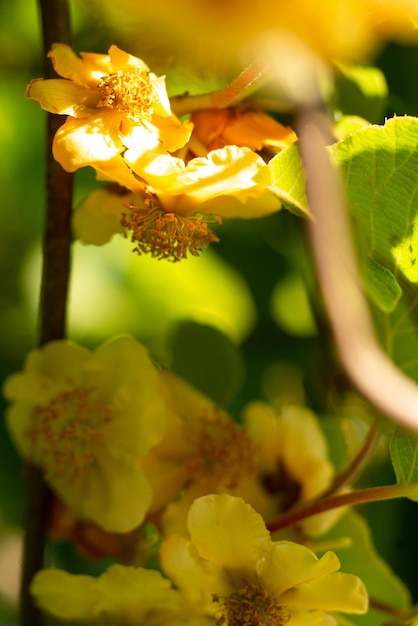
53,301
362,496
358,462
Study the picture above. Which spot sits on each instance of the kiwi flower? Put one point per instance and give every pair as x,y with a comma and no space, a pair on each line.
113,101
87,418
231,569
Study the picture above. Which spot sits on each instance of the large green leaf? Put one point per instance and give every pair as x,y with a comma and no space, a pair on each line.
361,558
380,168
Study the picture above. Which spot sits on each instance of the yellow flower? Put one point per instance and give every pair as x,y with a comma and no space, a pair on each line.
112,102
231,569
127,596
170,218
87,419
292,464
203,451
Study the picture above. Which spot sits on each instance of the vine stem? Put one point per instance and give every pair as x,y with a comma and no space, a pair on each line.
359,461
55,18
362,496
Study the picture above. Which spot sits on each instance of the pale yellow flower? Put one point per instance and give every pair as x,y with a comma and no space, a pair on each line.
112,102
203,451
291,463
230,568
87,419
126,596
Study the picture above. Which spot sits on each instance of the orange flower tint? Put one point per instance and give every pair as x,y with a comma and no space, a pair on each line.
217,128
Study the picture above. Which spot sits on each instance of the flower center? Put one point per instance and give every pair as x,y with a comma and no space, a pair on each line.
167,235
283,486
129,91
64,431
224,452
251,606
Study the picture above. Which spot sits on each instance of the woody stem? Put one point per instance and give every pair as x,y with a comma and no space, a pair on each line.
55,20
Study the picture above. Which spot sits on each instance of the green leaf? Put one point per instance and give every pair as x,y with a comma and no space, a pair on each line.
288,180
208,360
381,286
361,559
380,170
404,455
361,91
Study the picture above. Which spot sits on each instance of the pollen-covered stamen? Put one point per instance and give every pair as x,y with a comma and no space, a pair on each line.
224,453
251,606
129,91
167,235
64,431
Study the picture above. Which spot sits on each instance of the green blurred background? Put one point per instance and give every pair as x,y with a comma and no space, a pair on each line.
231,321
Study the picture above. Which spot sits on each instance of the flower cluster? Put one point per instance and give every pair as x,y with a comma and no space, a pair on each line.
143,467
123,444
171,179
226,571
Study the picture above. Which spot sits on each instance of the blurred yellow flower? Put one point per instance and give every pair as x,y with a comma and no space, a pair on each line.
291,464
87,419
332,29
126,596
203,451
112,102
230,568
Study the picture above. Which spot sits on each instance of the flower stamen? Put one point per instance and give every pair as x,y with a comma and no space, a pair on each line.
167,235
250,606
129,91
64,429
224,451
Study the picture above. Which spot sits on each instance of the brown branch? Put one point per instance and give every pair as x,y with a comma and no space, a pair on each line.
353,498
53,301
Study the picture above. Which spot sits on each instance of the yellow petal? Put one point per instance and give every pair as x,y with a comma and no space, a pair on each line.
290,564
124,595
62,97
228,532
64,595
78,143
87,70
134,595
196,578
254,129
97,218
123,60
312,618
112,493
208,184
334,592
